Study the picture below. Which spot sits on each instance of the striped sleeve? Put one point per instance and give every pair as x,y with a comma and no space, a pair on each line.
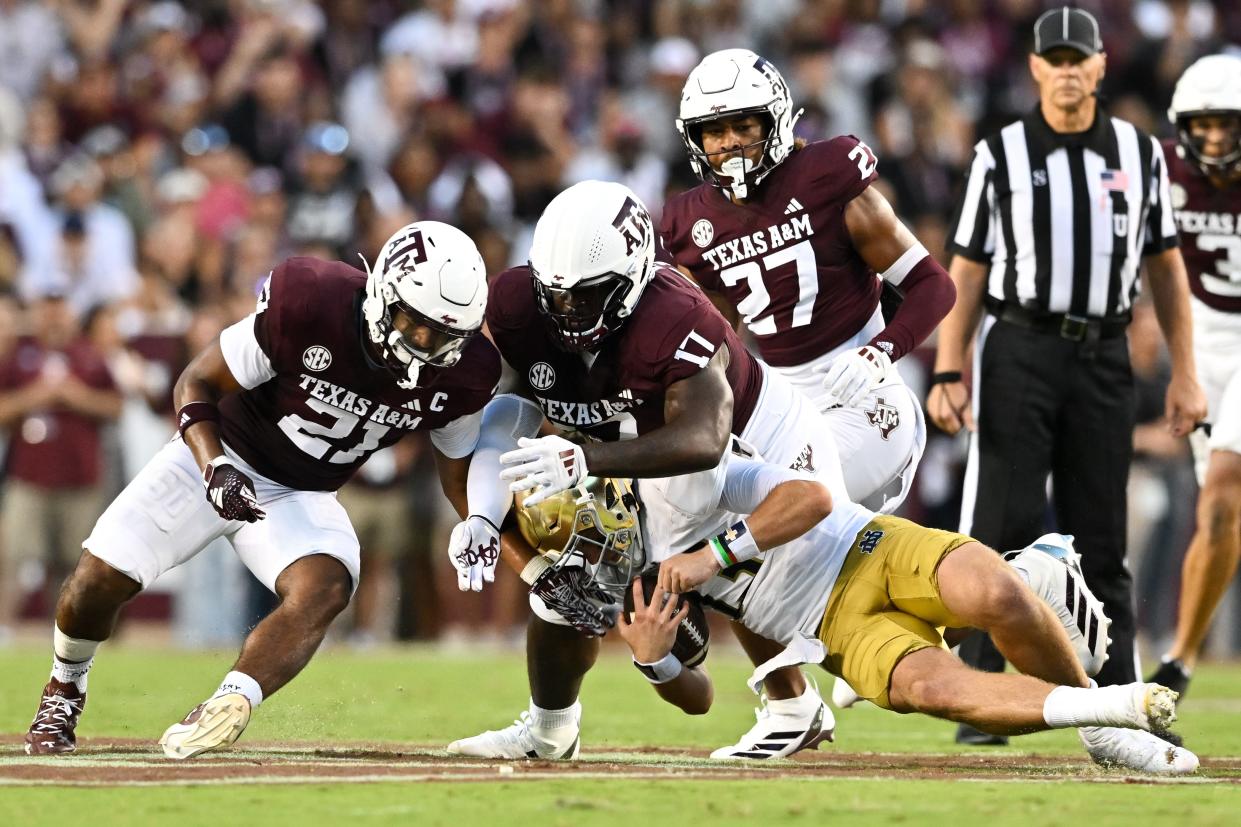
973,228
1160,224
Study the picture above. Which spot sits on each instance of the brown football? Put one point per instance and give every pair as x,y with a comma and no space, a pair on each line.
694,636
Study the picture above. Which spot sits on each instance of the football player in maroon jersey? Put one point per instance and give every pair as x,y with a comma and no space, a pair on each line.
1204,166
640,376
274,417
790,238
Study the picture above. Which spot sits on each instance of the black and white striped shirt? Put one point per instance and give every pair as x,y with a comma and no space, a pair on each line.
1064,219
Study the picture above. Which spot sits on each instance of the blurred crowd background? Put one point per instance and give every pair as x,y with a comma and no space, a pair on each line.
157,159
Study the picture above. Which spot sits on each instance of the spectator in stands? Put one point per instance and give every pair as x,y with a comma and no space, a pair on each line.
92,261
55,395
323,200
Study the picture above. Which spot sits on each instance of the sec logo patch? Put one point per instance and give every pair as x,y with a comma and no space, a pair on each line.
703,232
542,376
317,358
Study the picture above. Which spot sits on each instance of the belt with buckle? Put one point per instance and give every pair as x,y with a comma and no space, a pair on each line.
1065,325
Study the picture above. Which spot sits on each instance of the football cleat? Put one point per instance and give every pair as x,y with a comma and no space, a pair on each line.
52,732
1172,674
1136,750
1147,706
974,737
213,724
843,695
780,732
523,740
1052,569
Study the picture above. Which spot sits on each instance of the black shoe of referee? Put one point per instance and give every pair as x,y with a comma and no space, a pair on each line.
1172,674
973,737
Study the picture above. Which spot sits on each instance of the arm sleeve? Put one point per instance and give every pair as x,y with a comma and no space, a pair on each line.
246,360
973,225
929,295
458,438
506,419
1160,225
748,482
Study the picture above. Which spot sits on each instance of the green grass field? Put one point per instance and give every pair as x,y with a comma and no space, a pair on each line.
423,698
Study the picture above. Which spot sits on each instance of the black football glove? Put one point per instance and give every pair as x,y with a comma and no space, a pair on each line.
231,492
568,591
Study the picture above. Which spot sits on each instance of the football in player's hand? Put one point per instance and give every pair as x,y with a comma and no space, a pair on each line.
694,636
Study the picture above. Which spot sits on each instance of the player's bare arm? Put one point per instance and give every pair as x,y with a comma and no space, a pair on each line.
650,633
206,380
891,250
790,510
453,474
1169,285
698,414
948,402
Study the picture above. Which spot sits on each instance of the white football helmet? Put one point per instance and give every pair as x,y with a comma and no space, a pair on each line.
731,83
1210,86
425,298
592,255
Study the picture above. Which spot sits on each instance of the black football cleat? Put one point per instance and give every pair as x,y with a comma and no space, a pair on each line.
1172,674
973,737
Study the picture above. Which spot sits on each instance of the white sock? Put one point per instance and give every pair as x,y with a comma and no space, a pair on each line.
74,673
244,684
555,718
1071,706
807,700
73,658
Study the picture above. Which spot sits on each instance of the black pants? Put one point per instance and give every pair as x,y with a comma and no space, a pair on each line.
1048,405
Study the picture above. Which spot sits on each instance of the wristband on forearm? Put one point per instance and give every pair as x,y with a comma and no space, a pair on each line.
535,566
735,545
661,671
194,412
945,377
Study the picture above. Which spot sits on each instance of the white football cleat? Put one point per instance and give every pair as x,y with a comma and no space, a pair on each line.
213,724
1052,569
523,740
1156,706
1136,750
843,695
785,727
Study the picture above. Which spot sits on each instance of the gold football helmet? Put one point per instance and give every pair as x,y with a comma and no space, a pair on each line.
596,523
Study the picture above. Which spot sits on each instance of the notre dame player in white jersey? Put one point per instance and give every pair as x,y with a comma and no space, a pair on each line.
865,595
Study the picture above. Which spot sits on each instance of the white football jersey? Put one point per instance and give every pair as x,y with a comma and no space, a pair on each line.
778,593
784,590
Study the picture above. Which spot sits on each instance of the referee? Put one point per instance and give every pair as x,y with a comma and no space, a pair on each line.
1058,211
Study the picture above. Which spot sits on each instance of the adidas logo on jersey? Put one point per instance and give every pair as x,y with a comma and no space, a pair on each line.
794,206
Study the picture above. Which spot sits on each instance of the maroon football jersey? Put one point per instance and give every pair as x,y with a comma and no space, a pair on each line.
1209,221
329,406
784,257
618,392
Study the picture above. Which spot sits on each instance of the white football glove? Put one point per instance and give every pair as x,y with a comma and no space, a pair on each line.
474,548
852,375
549,465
